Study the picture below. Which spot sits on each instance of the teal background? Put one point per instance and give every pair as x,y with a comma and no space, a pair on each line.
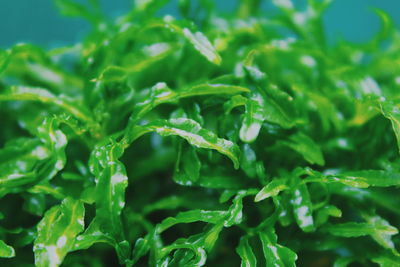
38,21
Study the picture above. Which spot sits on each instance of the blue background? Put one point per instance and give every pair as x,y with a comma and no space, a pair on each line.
39,22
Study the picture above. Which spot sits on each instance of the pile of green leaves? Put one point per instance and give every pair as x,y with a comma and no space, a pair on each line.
203,139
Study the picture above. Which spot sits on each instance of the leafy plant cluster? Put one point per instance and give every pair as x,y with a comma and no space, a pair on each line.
206,139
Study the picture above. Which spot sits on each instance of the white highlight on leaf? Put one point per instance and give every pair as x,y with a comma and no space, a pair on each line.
342,142
60,139
304,216
156,49
59,165
39,152
274,250
62,241
15,176
300,18
202,44
118,178
256,73
54,258
370,86
308,61
168,18
249,134
81,222
283,44
45,74
21,165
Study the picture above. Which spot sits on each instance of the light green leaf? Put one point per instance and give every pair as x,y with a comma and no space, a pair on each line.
392,111
211,236
91,236
383,239
368,178
197,257
275,254
57,232
272,189
326,211
302,208
352,229
24,93
235,212
191,131
387,260
235,101
203,45
212,89
246,253
192,216
253,119
6,251
111,182
113,74
161,94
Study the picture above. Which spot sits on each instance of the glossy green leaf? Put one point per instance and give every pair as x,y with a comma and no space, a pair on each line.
272,189
212,89
353,229
387,260
391,111
161,93
203,45
57,232
23,93
111,182
253,119
269,89
234,102
368,178
246,253
303,208
6,251
192,132
192,216
275,254
382,238
197,257
326,211
140,249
